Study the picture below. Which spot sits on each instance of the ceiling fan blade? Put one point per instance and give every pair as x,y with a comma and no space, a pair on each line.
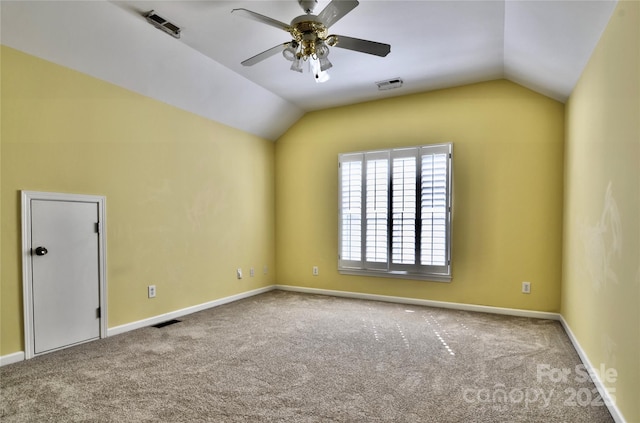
336,10
261,18
265,54
363,46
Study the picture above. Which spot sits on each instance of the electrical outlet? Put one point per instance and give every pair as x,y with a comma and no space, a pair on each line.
252,272
526,287
315,271
265,270
239,273
152,291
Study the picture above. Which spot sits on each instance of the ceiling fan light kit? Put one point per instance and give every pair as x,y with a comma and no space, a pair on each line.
311,41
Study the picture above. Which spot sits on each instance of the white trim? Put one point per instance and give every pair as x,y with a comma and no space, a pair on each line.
612,407
606,397
11,358
428,303
185,311
396,274
595,376
384,177
27,276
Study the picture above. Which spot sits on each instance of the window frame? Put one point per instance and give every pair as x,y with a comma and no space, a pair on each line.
357,261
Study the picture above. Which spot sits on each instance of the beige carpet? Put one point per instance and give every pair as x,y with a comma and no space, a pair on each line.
286,357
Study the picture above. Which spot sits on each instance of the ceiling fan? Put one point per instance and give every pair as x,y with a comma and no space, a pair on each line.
311,40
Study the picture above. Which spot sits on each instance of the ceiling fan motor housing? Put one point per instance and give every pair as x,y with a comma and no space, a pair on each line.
308,30
307,27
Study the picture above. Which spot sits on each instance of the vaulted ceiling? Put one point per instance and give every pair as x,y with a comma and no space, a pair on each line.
542,45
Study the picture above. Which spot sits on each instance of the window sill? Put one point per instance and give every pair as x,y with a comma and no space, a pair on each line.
396,275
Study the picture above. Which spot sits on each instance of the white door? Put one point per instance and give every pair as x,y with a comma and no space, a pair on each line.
65,273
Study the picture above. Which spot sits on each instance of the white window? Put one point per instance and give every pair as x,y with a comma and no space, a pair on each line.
395,212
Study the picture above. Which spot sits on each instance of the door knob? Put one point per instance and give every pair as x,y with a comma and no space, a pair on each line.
41,251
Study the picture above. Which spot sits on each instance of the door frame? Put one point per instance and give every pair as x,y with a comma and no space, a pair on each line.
27,258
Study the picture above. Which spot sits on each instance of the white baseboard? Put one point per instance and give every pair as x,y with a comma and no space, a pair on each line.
613,409
20,355
11,358
428,303
595,376
606,397
185,311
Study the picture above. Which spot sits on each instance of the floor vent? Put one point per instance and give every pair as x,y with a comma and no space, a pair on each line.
167,323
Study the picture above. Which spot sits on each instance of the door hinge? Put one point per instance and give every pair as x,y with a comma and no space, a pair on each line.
98,313
97,227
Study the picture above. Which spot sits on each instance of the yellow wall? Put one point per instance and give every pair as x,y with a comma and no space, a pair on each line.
601,277
508,170
188,200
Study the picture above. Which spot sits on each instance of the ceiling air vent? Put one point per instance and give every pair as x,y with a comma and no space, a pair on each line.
163,24
389,84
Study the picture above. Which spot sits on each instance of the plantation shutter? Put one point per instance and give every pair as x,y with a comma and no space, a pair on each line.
434,211
435,208
404,171
377,214
395,212
351,189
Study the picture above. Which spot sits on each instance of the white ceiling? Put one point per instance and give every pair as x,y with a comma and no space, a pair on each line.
541,44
